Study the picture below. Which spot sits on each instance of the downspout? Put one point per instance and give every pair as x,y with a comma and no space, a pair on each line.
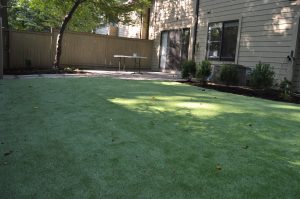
294,50
195,29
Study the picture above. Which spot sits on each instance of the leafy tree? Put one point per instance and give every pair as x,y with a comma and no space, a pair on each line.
86,15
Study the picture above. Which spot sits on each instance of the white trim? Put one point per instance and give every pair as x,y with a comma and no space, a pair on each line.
237,51
295,32
225,19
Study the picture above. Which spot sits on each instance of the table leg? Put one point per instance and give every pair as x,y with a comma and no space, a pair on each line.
124,65
119,63
140,66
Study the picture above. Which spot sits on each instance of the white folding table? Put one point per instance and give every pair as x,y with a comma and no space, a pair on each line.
135,57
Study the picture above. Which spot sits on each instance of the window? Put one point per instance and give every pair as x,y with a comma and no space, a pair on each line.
222,40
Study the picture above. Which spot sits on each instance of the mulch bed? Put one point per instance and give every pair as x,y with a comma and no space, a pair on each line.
270,94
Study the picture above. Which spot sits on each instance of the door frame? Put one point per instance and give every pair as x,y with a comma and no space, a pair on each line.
168,31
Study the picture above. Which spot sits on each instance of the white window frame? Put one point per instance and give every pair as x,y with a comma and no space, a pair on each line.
225,19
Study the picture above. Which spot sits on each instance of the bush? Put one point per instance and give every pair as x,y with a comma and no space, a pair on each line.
229,74
262,76
188,70
204,71
286,89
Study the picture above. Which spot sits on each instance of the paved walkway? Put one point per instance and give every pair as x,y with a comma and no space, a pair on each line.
103,73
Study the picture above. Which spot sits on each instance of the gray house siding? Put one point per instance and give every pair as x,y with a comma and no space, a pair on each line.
266,31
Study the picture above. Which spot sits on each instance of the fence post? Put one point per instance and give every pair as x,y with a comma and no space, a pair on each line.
51,46
1,50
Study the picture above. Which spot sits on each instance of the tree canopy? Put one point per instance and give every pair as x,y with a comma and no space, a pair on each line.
41,15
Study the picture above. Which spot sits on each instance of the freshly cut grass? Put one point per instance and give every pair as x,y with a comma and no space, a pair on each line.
108,138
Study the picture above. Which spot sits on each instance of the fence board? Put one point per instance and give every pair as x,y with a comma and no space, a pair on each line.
79,49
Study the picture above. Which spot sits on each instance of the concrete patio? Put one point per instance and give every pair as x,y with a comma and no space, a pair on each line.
145,75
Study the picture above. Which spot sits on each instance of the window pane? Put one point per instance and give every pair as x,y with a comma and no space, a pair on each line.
230,33
214,50
215,32
214,40
185,45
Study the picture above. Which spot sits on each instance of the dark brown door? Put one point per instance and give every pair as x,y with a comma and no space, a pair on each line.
174,50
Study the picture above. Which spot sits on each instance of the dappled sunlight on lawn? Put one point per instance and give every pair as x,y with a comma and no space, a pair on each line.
180,105
296,163
170,84
285,107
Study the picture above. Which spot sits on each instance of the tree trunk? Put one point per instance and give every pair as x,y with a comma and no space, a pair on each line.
61,32
5,32
3,13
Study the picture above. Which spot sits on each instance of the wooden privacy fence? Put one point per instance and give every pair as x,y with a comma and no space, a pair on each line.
84,50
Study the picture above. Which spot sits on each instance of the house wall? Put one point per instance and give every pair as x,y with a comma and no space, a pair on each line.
296,78
266,31
129,31
137,28
170,15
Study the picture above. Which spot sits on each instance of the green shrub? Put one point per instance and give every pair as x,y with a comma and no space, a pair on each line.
188,69
262,76
286,89
229,74
28,63
204,71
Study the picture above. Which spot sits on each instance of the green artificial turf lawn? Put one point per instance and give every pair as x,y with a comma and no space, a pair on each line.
108,138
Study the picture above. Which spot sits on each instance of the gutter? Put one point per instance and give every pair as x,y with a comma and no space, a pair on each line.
196,29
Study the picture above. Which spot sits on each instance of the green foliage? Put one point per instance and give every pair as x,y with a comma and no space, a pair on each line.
41,15
188,69
262,76
28,63
204,70
286,89
229,74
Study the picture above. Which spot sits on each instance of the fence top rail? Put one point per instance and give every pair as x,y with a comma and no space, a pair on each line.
29,32
78,33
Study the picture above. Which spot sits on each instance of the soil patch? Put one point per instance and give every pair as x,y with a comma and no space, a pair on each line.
270,94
